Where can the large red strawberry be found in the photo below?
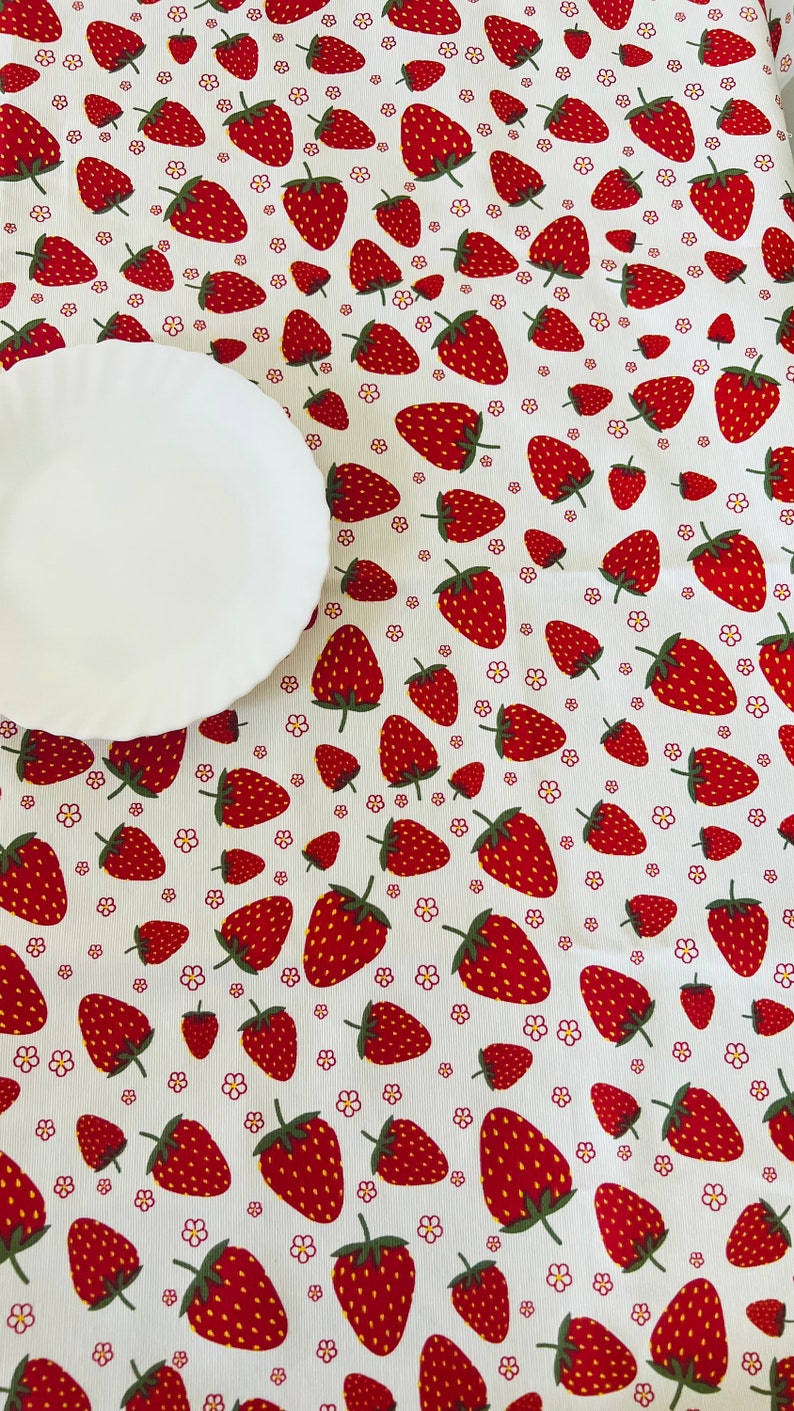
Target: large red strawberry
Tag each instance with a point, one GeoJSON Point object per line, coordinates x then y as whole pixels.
{"type": "Point", "coordinates": [171, 123]}
{"type": "Point", "coordinates": [513, 849]}
{"type": "Point", "coordinates": [101, 1141]}
{"type": "Point", "coordinates": [776, 660]}
{"type": "Point", "coordinates": [233, 1302]}
{"type": "Point", "coordinates": [22, 1214]}
{"type": "Point", "coordinates": [309, 278]}
{"type": "Point", "coordinates": [149, 269]}
{"type": "Point", "coordinates": [497, 959]}
{"type": "Point", "coordinates": [617, 1111]}
{"type": "Point", "coordinates": [102, 186]}
{"type": "Point", "coordinates": [448, 1380]}
{"type": "Point", "coordinates": [408, 849]}
{"type": "Point", "coordinates": [481, 1296]}
{"type": "Point", "coordinates": [647, 286]}
{"type": "Point", "coordinates": [28, 149]}
{"type": "Point", "coordinates": [38, 1384]}
{"type": "Point", "coordinates": [33, 340]}
{"type": "Point", "coordinates": [467, 780]}
{"type": "Point", "coordinates": [464, 515]}
{"type": "Point", "coordinates": [777, 251]}
{"type": "Point", "coordinates": [470, 346]}
{"type": "Point", "coordinates": [405, 1155]}
{"type": "Point", "coordinates": [717, 843]}
{"type": "Point", "coordinates": [130, 855]}
{"type": "Point", "coordinates": [204, 210]}
{"type": "Point", "coordinates": [589, 1360]}
{"type": "Point", "coordinates": [371, 270]}
{"type": "Point", "coordinates": [632, 565]}
{"type": "Point", "coordinates": [32, 885]}
{"type": "Point", "coordinates": [407, 756]}
{"type": "Point", "coordinates": [523, 733]}
{"type": "Point", "coordinates": [238, 54]}
{"type": "Point", "coordinates": [609, 829]}
{"type": "Point", "coordinates": [573, 120]}
{"type": "Point", "coordinates": [558, 469]}
{"type": "Point", "coordinates": [525, 1179]}
{"type": "Point", "coordinates": [502, 1065]}
{"type": "Point", "coordinates": [102, 1262]}
{"type": "Point", "coordinates": [123, 327]}
{"type": "Point", "coordinates": [432, 143]}
{"type": "Point", "coordinates": [301, 1162]}
{"type": "Point", "coordinates": [744, 399]}
{"type": "Point", "coordinates": [337, 767]}
{"type": "Point", "coordinates": [473, 602]}
{"type": "Point", "coordinates": [270, 1038]}
{"type": "Point", "coordinates": [480, 256]}
{"type": "Point", "coordinates": [388, 1034]}
{"type": "Point", "coordinates": [554, 331]}
{"type": "Point", "coordinates": [30, 19]}
{"type": "Point", "coordinates": [187, 1160]}
{"type": "Point", "coordinates": [619, 1006]}
{"type": "Point", "coordinates": [688, 1343]}
{"type": "Point", "coordinates": [340, 128]}
{"type": "Point", "coordinates": [245, 798]}
{"type": "Point", "coordinates": [56, 261]}
{"type": "Point", "coordinates": [347, 676]}
{"type": "Point", "coordinates": [740, 928]}
{"type": "Point", "coordinates": [157, 941]}
{"type": "Point", "coordinates": [623, 741]}
{"type": "Point", "coordinates": [361, 1393]}
{"type": "Point", "coordinates": [237, 866]}
{"type": "Point", "coordinates": [381, 348]}
{"type": "Point", "coordinates": [445, 433]}
{"type": "Point", "coordinates": [9, 1092]}
{"type": "Point", "coordinates": [685, 676]}
{"type": "Point", "coordinates": [304, 341]}
{"type": "Point", "coordinates": [317, 206]}
{"type": "Point", "coordinates": [731, 566]}
{"type": "Point", "coordinates": [716, 778]}
{"type": "Point", "coordinates": [23, 1008]}
{"type": "Point", "coordinates": [665, 126]}
{"type": "Point", "coordinates": [562, 248]}
{"type": "Point", "coordinates": [740, 118]}
{"type": "Point", "coordinates": [112, 46]}
{"type": "Point", "coordinates": [147, 765]}
{"type": "Point", "coordinates": [719, 48]}
{"type": "Point", "coordinates": [649, 915]}
{"type": "Point", "coordinates": [253, 935]}
{"type": "Point", "coordinates": [778, 473]}
{"type": "Point", "coordinates": [698, 1126]}
{"type": "Point", "coordinates": [758, 1237]}
{"type": "Point", "coordinates": [630, 1226]}
{"type": "Point", "coordinates": [373, 1280]}
{"type": "Point", "coordinates": [423, 16]}
{"type": "Point", "coordinates": [661, 402]}
{"type": "Point", "coordinates": [345, 932]}
{"type": "Point", "coordinates": [115, 1033]}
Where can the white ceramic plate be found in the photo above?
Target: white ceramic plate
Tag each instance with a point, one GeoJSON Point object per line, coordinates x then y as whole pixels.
{"type": "Point", "coordinates": [163, 539]}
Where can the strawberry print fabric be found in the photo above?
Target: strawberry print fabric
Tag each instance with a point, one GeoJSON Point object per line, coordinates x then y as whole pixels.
{"type": "Point", "coordinates": [418, 1031]}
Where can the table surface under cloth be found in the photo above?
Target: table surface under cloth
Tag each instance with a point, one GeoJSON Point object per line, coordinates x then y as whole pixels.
{"type": "Point", "coordinates": [574, 353]}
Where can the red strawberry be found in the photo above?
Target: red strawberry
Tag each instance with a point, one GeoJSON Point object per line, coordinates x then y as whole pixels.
{"type": "Point", "coordinates": [245, 798]}
{"type": "Point", "coordinates": [434, 691]}
{"type": "Point", "coordinates": [573, 120]}
{"type": "Point", "coordinates": [716, 778]}
{"type": "Point", "coordinates": [463, 515]}
{"type": "Point", "coordinates": [363, 1393]}
{"type": "Point", "coordinates": [102, 1263]}
{"type": "Point", "coordinates": [724, 267]}
{"type": "Point", "coordinates": [618, 1005]}
{"type": "Point", "coordinates": [574, 649]}
{"type": "Point", "coordinates": [717, 843]}
{"type": "Point", "coordinates": [38, 1383]}
{"type": "Point", "coordinates": [147, 765]}
{"type": "Point", "coordinates": [9, 1092]}
{"type": "Point", "coordinates": [467, 780]}
{"type": "Point", "coordinates": [622, 239]}
{"type": "Point", "coordinates": [497, 959]}
{"type": "Point", "coordinates": [633, 564]}
{"type": "Point", "coordinates": [508, 109]}
{"type": "Point", "coordinates": [253, 935]}
{"type": "Point", "coordinates": [130, 855]}
{"type": "Point", "coordinates": [479, 256]}
{"type": "Point", "coordinates": [7, 291]}
{"type": "Point", "coordinates": [161, 1388]}
{"type": "Point", "coordinates": [786, 830]}
{"type": "Point", "coordinates": [32, 886]}
{"type": "Point", "coordinates": [523, 733]}
{"type": "Point", "coordinates": [631, 1227]}
{"type": "Point", "coordinates": [374, 1284]}
{"type": "Point", "coordinates": [115, 1033]}
{"type": "Point", "coordinates": [405, 1155]}
{"type": "Point", "coordinates": [401, 218]}
{"type": "Point", "coordinates": [525, 1179]}
{"type": "Point", "coordinates": [663, 125]}
{"type": "Point", "coordinates": [372, 270]}
{"type": "Point", "coordinates": [588, 399]}
{"type": "Point", "coordinates": [381, 348]}
{"type": "Point", "coordinates": [432, 143]}
{"type": "Point", "coordinates": [623, 741]}
{"type": "Point", "coordinates": [480, 1295]}
{"type": "Point", "coordinates": [633, 56]}
{"type": "Point", "coordinates": [345, 933]}
{"type": "Point", "coordinates": [354, 493]}
{"type": "Point", "coordinates": [407, 757]}
{"type": "Point", "coordinates": [685, 676]}
{"type": "Point", "coordinates": [22, 1214]}
{"type": "Point", "coordinates": [205, 211]}
{"type": "Point", "coordinates": [100, 1141]}
{"type": "Point", "coordinates": [786, 737]}
{"type": "Point", "coordinates": [697, 1002]}
{"type": "Point", "coordinates": [322, 851]}
{"type": "Point", "coordinates": [114, 47]}
{"type": "Point", "coordinates": [617, 1111]}
{"type": "Point", "coordinates": [514, 850]}
{"type": "Point", "coordinates": [616, 191]}
{"type": "Point", "coordinates": [408, 849]}
{"type": "Point", "coordinates": [341, 129]}
{"type": "Point", "coordinates": [558, 469]}
{"type": "Point", "coordinates": [694, 486]}
{"type": "Point", "coordinates": [626, 483]}
{"type": "Point", "coordinates": [646, 286]}
{"type": "Point", "coordinates": [304, 341]}
{"type": "Point", "coordinates": [784, 329]}
{"type": "Point", "coordinates": [182, 47]}
{"type": "Point", "coordinates": [502, 1065]}
{"type": "Point", "coordinates": [389, 1034]}
{"type": "Point", "coordinates": [420, 74]}
{"type": "Point", "coordinates": [102, 187]}
{"type": "Point", "coordinates": [328, 408]}
{"type": "Point", "coordinates": [29, 149]}
{"type": "Point", "coordinates": [326, 54]}
{"type": "Point", "coordinates": [562, 248]}
{"type": "Point", "coordinates": [698, 1126]}
{"type": "Point", "coordinates": [472, 601]}
{"type": "Point", "coordinates": [447, 1378]}
{"type": "Point", "coordinates": [301, 1162]}
{"type": "Point", "coordinates": [652, 345]}
{"type": "Point", "coordinates": [187, 1160]}
{"type": "Point", "coordinates": [270, 1038]}
{"type": "Point", "coordinates": [157, 941]}
{"type": "Point", "coordinates": [317, 206]}
{"type": "Point", "coordinates": [423, 16]}
{"type": "Point", "coordinates": [31, 19]}
{"type": "Point", "coordinates": [744, 400]}
{"type": "Point", "coordinates": [661, 402]}
{"type": "Point", "coordinates": [553, 330]}
{"type": "Point", "coordinates": [688, 1342]}
{"type": "Point", "coordinates": [149, 269]}
{"type": "Point", "coordinates": [238, 866]}
{"type": "Point", "coordinates": [739, 118]}
{"type": "Point", "coordinates": [124, 327]}
{"type": "Point", "coordinates": [649, 915]}
{"type": "Point", "coordinates": [775, 33]}
{"type": "Point", "coordinates": [740, 928]}
{"type": "Point", "coordinates": [172, 123]}
{"type": "Point", "coordinates": [337, 768]}
{"type": "Point", "coordinates": [724, 199]}
{"type": "Point", "coordinates": [780, 1116]}
{"type": "Point", "coordinates": [516, 182]}
{"type": "Point", "coordinates": [544, 549]}
{"type": "Point", "coordinates": [57, 261]}
{"type": "Point", "coordinates": [770, 1017]}
{"type": "Point", "coordinates": [309, 278]}
{"type": "Point", "coordinates": [239, 55]}
{"type": "Point", "coordinates": [199, 1030]}
{"type": "Point", "coordinates": [577, 41]}
{"type": "Point", "coordinates": [263, 131]}
{"type": "Point", "coordinates": [49, 759]}
{"type": "Point", "coordinates": [769, 1316]}
{"type": "Point", "coordinates": [224, 727]}
{"type": "Point", "coordinates": [232, 1302]}
{"type": "Point", "coordinates": [719, 48]}
{"type": "Point", "coordinates": [609, 829]}
{"type": "Point", "coordinates": [513, 43]}
{"type": "Point", "coordinates": [615, 14]}
{"type": "Point", "coordinates": [470, 346]}
{"type": "Point", "coordinates": [347, 676]}
{"type": "Point", "coordinates": [776, 660]}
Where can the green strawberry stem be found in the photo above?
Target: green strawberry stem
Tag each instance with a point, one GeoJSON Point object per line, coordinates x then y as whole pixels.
{"type": "Point", "coordinates": [676, 1111]}
{"type": "Point", "coordinates": [694, 776]}
{"type": "Point", "coordinates": [445, 168]}
{"type": "Point", "coordinates": [735, 906]}
{"type": "Point", "coordinates": [472, 1273]}
{"type": "Point", "coordinates": [388, 844]}
{"type": "Point", "coordinates": [286, 1133]}
{"type": "Point", "coordinates": [645, 1252]}
{"type": "Point", "coordinates": [496, 830]}
{"type": "Point", "coordinates": [125, 773]}
{"type": "Point", "coordinates": [223, 795]}
{"type": "Point", "coordinates": [564, 1351]}
{"type": "Point", "coordinates": [624, 583]}
{"type": "Point", "coordinates": [165, 1144]}
{"type": "Point", "coordinates": [205, 1277]}
{"type": "Point", "coordinates": [779, 1386]}
{"type": "Point", "coordinates": [684, 1376]}
{"type": "Point", "coordinates": [783, 547]}
{"type": "Point", "coordinates": [663, 660]}
{"type": "Point", "coordinates": [782, 1103]}
{"type": "Point", "coordinates": [11, 854]}
{"type": "Point", "coordinates": [782, 643]}
{"type": "Point", "coordinates": [144, 1383]}
{"type": "Point", "coordinates": [18, 1243]}
{"type": "Point", "coordinates": [749, 375]}
{"type": "Point", "coordinates": [473, 940]}
{"type": "Point", "coordinates": [237, 951]}
{"type": "Point", "coordinates": [369, 1248]}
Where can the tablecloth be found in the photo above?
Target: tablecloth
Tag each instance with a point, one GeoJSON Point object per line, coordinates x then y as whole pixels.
{"type": "Point", "coordinates": [418, 1031]}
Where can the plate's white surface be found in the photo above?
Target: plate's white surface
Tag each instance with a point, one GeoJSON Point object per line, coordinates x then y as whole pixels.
{"type": "Point", "coordinates": [163, 539]}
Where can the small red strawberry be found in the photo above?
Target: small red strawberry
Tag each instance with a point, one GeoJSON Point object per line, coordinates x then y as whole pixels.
{"type": "Point", "coordinates": [101, 1142]}
{"type": "Point", "coordinates": [447, 1377]}
{"type": "Point", "coordinates": [16, 77]}
{"type": "Point", "coordinates": [573, 649]}
{"type": "Point", "coordinates": [480, 256]}
{"type": "Point", "coordinates": [523, 733]}
{"type": "Point", "coordinates": [347, 676]}
{"type": "Point", "coordinates": [649, 915]}
{"type": "Point", "coordinates": [238, 866]}
{"type": "Point", "coordinates": [513, 42]}
{"type": "Point", "coordinates": [770, 1017]}
{"type": "Point", "coordinates": [381, 348]}
{"type": "Point", "coordinates": [558, 469]}
{"type": "Point", "coordinates": [9, 1092]}
{"type": "Point", "coordinates": [621, 239]}
{"type": "Point", "coordinates": [516, 182]}
{"type": "Point", "coordinates": [588, 398]}
{"type": "Point", "coordinates": [647, 286]}
{"type": "Point", "coordinates": [43, 758]}
{"type": "Point", "coordinates": [401, 218]}
{"type": "Point", "coordinates": [102, 187]}
{"type": "Point", "coordinates": [38, 1383]}
{"type": "Point", "coordinates": [632, 565]}
{"type": "Point", "coordinates": [544, 549]}
{"type": "Point", "coordinates": [740, 118]}
{"type": "Point", "coordinates": [717, 843]}
{"type": "Point", "coordinates": [160, 1388]}
{"type": "Point", "coordinates": [697, 1002]}
{"type": "Point", "coordinates": [228, 292]}
{"type": "Point", "coordinates": [130, 855]}
{"type": "Point", "coordinates": [322, 851]}
{"type": "Point", "coordinates": [688, 1343]}
{"type": "Point", "coordinates": [328, 408]}
{"type": "Point", "coordinates": [633, 56]}
{"type": "Point", "coordinates": [553, 330]}
{"type": "Point", "coordinates": [616, 191]}
{"type": "Point", "coordinates": [631, 1227]}
{"type": "Point", "coordinates": [405, 1155]}
{"type": "Point", "coordinates": [309, 278]}
{"type": "Point", "coordinates": [508, 109]}
{"type": "Point", "coordinates": [337, 767]}
{"type": "Point", "coordinates": [467, 780]}
{"type": "Point", "coordinates": [623, 741]}
{"type": "Point", "coordinates": [626, 483]}
{"type": "Point", "coordinates": [172, 123]}
{"type": "Point", "coordinates": [362, 1393]}
{"type": "Point", "coordinates": [32, 885]}
{"type": "Point", "coordinates": [434, 691]}
{"type": "Point", "coordinates": [740, 928]}
{"type": "Point", "coordinates": [725, 267]}
{"type": "Point", "coordinates": [343, 130]}
{"type": "Point", "coordinates": [617, 1111]}
{"type": "Point", "coordinates": [114, 47]}
{"type": "Point", "coordinates": [573, 120]}
{"type": "Point", "coordinates": [301, 1162]}
{"type": "Point", "coordinates": [328, 55]}
{"type": "Point", "coordinates": [304, 341]}
{"type": "Point", "coordinates": [354, 492]}
{"type": "Point", "coordinates": [473, 602]}
{"type": "Point", "coordinates": [407, 757]}
{"type": "Point", "coordinates": [662, 402]}
{"type": "Point", "coordinates": [245, 798]}
{"type": "Point", "coordinates": [157, 941]}
{"type": "Point", "coordinates": [719, 48]}
{"type": "Point", "coordinates": [652, 345]}
{"type": "Point", "coordinates": [239, 55]}
{"type": "Point", "coordinates": [685, 676]}
{"type": "Point", "coordinates": [22, 1214]}
{"type": "Point", "coordinates": [776, 660]}
{"type": "Point", "coordinates": [609, 829]}
{"type": "Point", "coordinates": [7, 292]}
{"type": "Point", "coordinates": [124, 327]}
{"type": "Point", "coordinates": [317, 206]}
{"type": "Point", "coordinates": [618, 1005]}
{"type": "Point", "coordinates": [694, 486]}
{"type": "Point", "coordinates": [204, 210]}
{"type": "Point", "coordinates": [345, 932]}
{"type": "Point", "coordinates": [481, 1296]}
{"type": "Point", "coordinates": [464, 515]}
{"type": "Point", "coordinates": [769, 1316]}
{"type": "Point", "coordinates": [224, 727]}
{"type": "Point", "coordinates": [577, 41]}
{"type": "Point", "coordinates": [716, 778]}
{"type": "Point", "coordinates": [182, 47]}
{"type": "Point", "coordinates": [253, 935]}
{"type": "Point", "coordinates": [199, 1030]}
{"type": "Point", "coordinates": [372, 270]}
{"type": "Point", "coordinates": [502, 1065]}
{"type": "Point", "coordinates": [470, 346]}
{"type": "Point", "coordinates": [270, 1038]}
{"type": "Point", "coordinates": [780, 1116]}
{"type": "Point", "coordinates": [149, 269]}
{"type": "Point", "coordinates": [420, 74]}
{"type": "Point", "coordinates": [102, 1263]}
{"type": "Point", "coordinates": [100, 111]}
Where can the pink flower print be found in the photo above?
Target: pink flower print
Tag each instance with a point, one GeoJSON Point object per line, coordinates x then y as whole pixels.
{"type": "Point", "coordinates": [26, 1058]}
{"type": "Point", "coordinates": [169, 1297]}
{"type": "Point", "coordinates": [144, 1200]}
{"type": "Point", "coordinates": [45, 1129]}
{"type": "Point", "coordinates": [751, 1363]}
{"type": "Point", "coordinates": [326, 1059]}
{"type": "Point", "coordinates": [460, 1014]}
{"type": "Point", "coordinates": [462, 1117]}
{"type": "Point", "coordinates": [392, 1093]}
{"type": "Point", "coordinates": [366, 1191]}
{"type": "Point", "coordinates": [103, 1351]}
{"type": "Point", "coordinates": [177, 1082]}
{"type": "Point", "coordinates": [508, 1368]}
{"type": "Point", "coordinates": [214, 898]}
{"type": "Point", "coordinates": [326, 1350]}
{"type": "Point", "coordinates": [681, 1050]}
{"type": "Point", "coordinates": [61, 1062]}
{"type": "Point", "coordinates": [186, 839]}
{"type": "Point", "coordinates": [64, 1187]}
{"type": "Point", "coordinates": [194, 1232]}
{"type": "Point", "coordinates": [192, 977]}
{"type": "Point", "coordinates": [254, 1122]}
{"type": "Point", "coordinates": [348, 1103]}
{"type": "Point", "coordinates": [535, 1027]}
{"type": "Point", "coordinates": [234, 1086]}
{"type": "Point", "coordinates": [20, 1317]}
{"type": "Point", "coordinates": [302, 1248]}
{"type": "Point", "coordinates": [602, 1284]}
{"type": "Point", "coordinates": [560, 1096]}
{"type": "Point", "coordinates": [427, 977]}
{"type": "Point", "coordinates": [568, 1032]}
{"type": "Point", "coordinates": [640, 1314]}
{"type": "Point", "coordinates": [559, 1277]}
{"type": "Point", "coordinates": [662, 1165]}
{"type": "Point", "coordinates": [426, 909]}
{"type": "Point", "coordinates": [430, 1229]}
{"type": "Point", "coordinates": [585, 1151]}
{"type": "Point", "coordinates": [736, 1055]}
{"type": "Point", "coordinates": [643, 1393]}
{"type": "Point", "coordinates": [713, 1197]}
